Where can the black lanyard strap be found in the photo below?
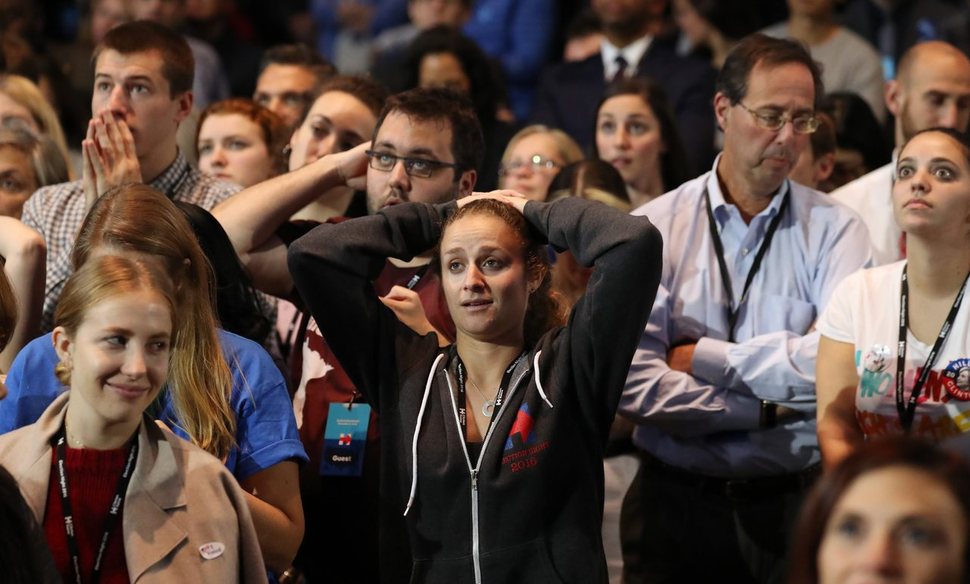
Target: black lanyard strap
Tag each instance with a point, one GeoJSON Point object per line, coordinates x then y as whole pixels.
{"type": "Point", "coordinates": [734, 310]}
{"type": "Point", "coordinates": [907, 411]}
{"type": "Point", "coordinates": [416, 277]}
{"type": "Point", "coordinates": [499, 396]}
{"type": "Point", "coordinates": [110, 522]}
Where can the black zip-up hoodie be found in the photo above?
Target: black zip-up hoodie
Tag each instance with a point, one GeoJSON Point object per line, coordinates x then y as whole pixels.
{"type": "Point", "coordinates": [529, 509]}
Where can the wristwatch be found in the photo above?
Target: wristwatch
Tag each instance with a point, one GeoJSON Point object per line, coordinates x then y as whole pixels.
{"type": "Point", "coordinates": [769, 415]}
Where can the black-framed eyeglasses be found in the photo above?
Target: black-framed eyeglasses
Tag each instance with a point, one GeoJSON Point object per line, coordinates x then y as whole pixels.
{"type": "Point", "coordinates": [775, 121]}
{"type": "Point", "coordinates": [535, 162]}
{"type": "Point", "coordinates": [416, 167]}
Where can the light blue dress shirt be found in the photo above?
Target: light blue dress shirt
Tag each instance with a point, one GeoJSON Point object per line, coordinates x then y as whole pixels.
{"type": "Point", "coordinates": [708, 422]}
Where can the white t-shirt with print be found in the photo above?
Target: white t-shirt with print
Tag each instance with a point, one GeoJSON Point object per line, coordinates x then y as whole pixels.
{"type": "Point", "coordinates": [864, 311]}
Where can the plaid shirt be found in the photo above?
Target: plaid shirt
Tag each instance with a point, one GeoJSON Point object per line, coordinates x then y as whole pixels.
{"type": "Point", "coordinates": [57, 212]}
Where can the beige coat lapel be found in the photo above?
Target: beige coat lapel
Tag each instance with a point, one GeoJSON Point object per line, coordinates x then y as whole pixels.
{"type": "Point", "coordinates": [152, 531]}
{"type": "Point", "coordinates": [28, 456]}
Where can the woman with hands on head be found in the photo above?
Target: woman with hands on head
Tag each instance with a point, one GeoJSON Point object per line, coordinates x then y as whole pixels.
{"type": "Point", "coordinates": [182, 516]}
{"type": "Point", "coordinates": [492, 447]}
{"type": "Point", "coordinates": [896, 338]}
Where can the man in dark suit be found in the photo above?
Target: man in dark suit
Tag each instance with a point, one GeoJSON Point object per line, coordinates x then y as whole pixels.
{"type": "Point", "coordinates": [570, 92]}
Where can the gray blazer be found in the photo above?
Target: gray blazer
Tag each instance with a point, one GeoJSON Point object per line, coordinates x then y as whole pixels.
{"type": "Point", "coordinates": [179, 499]}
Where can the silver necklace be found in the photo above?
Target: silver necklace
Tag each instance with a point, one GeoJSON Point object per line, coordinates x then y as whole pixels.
{"type": "Point", "coordinates": [489, 404]}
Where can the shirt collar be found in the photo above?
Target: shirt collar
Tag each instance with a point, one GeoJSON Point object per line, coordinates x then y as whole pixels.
{"type": "Point", "coordinates": [718, 202]}
{"type": "Point", "coordinates": [632, 53]}
{"type": "Point", "coordinates": [172, 176]}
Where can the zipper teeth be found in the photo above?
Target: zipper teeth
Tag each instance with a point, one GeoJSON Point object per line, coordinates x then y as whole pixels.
{"type": "Point", "coordinates": [473, 470]}
{"type": "Point", "coordinates": [476, 560]}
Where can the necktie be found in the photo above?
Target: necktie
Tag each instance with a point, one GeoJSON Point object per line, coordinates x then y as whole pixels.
{"type": "Point", "coordinates": [621, 65]}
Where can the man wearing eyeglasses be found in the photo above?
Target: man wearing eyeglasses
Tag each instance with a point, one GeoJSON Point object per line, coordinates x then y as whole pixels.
{"type": "Point", "coordinates": [437, 145]}
{"type": "Point", "coordinates": [722, 383]}
{"type": "Point", "coordinates": [426, 146]}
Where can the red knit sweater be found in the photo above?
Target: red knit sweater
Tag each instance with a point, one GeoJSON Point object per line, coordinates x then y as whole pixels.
{"type": "Point", "coordinates": [92, 477]}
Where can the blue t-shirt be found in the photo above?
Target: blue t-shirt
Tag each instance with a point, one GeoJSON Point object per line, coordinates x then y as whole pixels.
{"type": "Point", "coordinates": [265, 427]}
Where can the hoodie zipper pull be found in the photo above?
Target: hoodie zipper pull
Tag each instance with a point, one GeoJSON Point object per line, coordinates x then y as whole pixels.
{"type": "Point", "coordinates": [475, 479]}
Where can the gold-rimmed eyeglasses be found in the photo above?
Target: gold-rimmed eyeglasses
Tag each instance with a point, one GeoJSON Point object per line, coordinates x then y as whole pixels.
{"type": "Point", "coordinates": [774, 121]}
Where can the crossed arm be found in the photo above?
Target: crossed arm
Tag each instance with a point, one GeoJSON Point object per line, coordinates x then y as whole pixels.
{"type": "Point", "coordinates": [678, 382]}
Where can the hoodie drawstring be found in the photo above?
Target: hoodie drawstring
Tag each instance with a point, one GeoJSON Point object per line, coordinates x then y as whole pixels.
{"type": "Point", "coordinates": [417, 431]}
{"type": "Point", "coordinates": [535, 372]}
{"type": "Point", "coordinates": [424, 404]}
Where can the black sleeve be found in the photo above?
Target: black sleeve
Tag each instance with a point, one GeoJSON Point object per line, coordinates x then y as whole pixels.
{"type": "Point", "coordinates": [607, 322]}
{"type": "Point", "coordinates": [333, 267]}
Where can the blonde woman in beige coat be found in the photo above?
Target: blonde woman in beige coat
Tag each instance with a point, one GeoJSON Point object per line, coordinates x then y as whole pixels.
{"type": "Point", "coordinates": [119, 498]}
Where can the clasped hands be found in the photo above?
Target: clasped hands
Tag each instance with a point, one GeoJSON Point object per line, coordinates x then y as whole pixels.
{"type": "Point", "coordinates": [109, 156]}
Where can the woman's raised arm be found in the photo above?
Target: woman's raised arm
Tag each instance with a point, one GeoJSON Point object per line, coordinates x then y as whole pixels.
{"type": "Point", "coordinates": [252, 216]}
{"type": "Point", "coordinates": [24, 256]}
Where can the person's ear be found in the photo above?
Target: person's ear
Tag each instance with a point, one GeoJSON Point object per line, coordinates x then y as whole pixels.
{"type": "Point", "coordinates": [824, 167]}
{"type": "Point", "coordinates": [466, 183]}
{"type": "Point", "coordinates": [185, 101]}
{"type": "Point", "coordinates": [721, 106]}
{"type": "Point", "coordinates": [535, 278]}
{"type": "Point", "coordinates": [894, 96]}
{"type": "Point", "coordinates": [63, 346]}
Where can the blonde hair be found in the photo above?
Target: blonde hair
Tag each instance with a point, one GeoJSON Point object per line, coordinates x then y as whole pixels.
{"type": "Point", "coordinates": [46, 159]}
{"type": "Point", "coordinates": [138, 218]}
{"type": "Point", "coordinates": [102, 278]}
{"type": "Point", "coordinates": [24, 92]}
{"type": "Point", "coordinates": [567, 147]}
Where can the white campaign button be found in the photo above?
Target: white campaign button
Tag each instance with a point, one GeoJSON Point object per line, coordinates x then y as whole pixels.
{"type": "Point", "coordinates": [212, 550]}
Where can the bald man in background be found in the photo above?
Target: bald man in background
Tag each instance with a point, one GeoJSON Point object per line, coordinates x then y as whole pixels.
{"type": "Point", "coordinates": [931, 90]}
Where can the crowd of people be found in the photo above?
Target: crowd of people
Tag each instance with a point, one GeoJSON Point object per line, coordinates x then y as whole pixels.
{"type": "Point", "coordinates": [635, 291]}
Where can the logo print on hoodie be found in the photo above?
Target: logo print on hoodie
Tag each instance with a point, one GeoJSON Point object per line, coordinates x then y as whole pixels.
{"type": "Point", "coordinates": [522, 427]}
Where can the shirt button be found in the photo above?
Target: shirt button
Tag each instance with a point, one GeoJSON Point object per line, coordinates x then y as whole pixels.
{"type": "Point", "coordinates": [744, 251]}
